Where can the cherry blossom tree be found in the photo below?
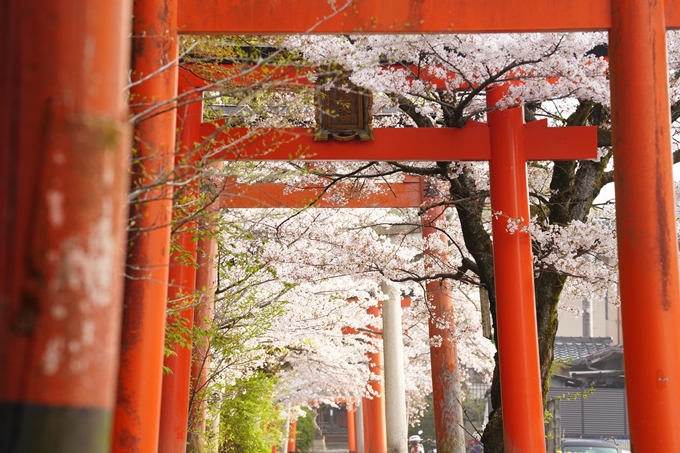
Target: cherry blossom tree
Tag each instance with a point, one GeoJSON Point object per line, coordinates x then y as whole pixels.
{"type": "Point", "coordinates": [293, 293]}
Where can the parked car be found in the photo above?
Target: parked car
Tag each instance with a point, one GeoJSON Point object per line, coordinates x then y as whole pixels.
{"type": "Point", "coordinates": [589, 446]}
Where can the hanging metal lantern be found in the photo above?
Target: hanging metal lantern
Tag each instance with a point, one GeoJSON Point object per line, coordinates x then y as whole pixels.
{"type": "Point", "coordinates": [343, 112]}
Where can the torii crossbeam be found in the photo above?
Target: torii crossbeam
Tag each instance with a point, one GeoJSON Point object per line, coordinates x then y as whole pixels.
{"type": "Point", "coordinates": [385, 16]}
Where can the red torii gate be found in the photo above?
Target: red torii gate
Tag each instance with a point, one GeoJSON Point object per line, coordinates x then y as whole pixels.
{"type": "Point", "coordinates": [470, 143]}
{"type": "Point", "coordinates": [81, 108]}
{"type": "Point", "coordinates": [502, 142]}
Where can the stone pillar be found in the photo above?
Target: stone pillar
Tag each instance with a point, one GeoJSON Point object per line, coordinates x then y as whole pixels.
{"type": "Point", "coordinates": [393, 351]}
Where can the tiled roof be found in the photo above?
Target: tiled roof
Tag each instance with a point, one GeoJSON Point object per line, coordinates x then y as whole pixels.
{"type": "Point", "coordinates": [577, 348]}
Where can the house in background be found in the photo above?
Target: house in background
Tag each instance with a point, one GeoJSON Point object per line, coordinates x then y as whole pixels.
{"type": "Point", "coordinates": [588, 390]}
{"type": "Point", "coordinates": [585, 362]}
{"type": "Point", "coordinates": [588, 387]}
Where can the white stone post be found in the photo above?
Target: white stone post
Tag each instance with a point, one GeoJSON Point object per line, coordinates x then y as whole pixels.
{"type": "Point", "coordinates": [359, 419]}
{"type": "Point", "coordinates": [393, 352]}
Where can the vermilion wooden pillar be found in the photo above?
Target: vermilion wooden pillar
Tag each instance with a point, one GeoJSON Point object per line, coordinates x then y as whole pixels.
{"type": "Point", "coordinates": [154, 39]}
{"type": "Point", "coordinates": [200, 365]}
{"type": "Point", "coordinates": [514, 279]}
{"type": "Point", "coordinates": [646, 232]}
{"type": "Point", "coordinates": [64, 142]}
{"type": "Point", "coordinates": [291, 436]}
{"type": "Point", "coordinates": [351, 428]}
{"type": "Point", "coordinates": [175, 390]}
{"type": "Point", "coordinates": [182, 285]}
{"type": "Point", "coordinates": [448, 417]}
{"type": "Point", "coordinates": [374, 415]}
{"type": "Point", "coordinates": [366, 424]}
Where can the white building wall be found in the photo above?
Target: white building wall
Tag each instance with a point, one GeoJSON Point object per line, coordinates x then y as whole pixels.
{"type": "Point", "coordinates": [605, 318]}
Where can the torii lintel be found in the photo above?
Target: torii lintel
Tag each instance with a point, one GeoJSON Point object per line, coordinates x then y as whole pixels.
{"type": "Point", "coordinates": [470, 143]}
{"type": "Point", "coordinates": [406, 194]}
{"type": "Point", "coordinates": [389, 16]}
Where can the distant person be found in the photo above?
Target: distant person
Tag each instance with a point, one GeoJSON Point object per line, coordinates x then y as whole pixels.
{"type": "Point", "coordinates": [415, 445]}
{"type": "Point", "coordinates": [475, 447]}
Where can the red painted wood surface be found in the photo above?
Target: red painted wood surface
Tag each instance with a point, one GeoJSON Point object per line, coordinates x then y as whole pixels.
{"type": "Point", "coordinates": [646, 223]}
{"type": "Point", "coordinates": [470, 143]}
{"type": "Point", "coordinates": [443, 349]}
{"type": "Point", "coordinates": [374, 408]}
{"type": "Point", "coordinates": [139, 385]}
{"type": "Point", "coordinates": [389, 16]}
{"type": "Point", "coordinates": [386, 16]}
{"type": "Point", "coordinates": [292, 433]}
{"type": "Point", "coordinates": [517, 331]}
{"type": "Point", "coordinates": [64, 142]}
{"type": "Point", "coordinates": [176, 384]}
{"type": "Point", "coordinates": [351, 428]}
{"type": "Point", "coordinates": [182, 282]}
{"type": "Point", "coordinates": [365, 423]}
{"type": "Point", "coordinates": [279, 195]}
{"type": "Point", "coordinates": [206, 256]}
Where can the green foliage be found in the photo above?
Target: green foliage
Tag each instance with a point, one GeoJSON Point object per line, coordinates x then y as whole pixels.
{"type": "Point", "coordinates": [244, 310]}
{"type": "Point", "coordinates": [547, 417]}
{"type": "Point", "coordinates": [572, 396]}
{"type": "Point", "coordinates": [304, 432]}
{"type": "Point", "coordinates": [177, 335]}
{"type": "Point", "coordinates": [249, 421]}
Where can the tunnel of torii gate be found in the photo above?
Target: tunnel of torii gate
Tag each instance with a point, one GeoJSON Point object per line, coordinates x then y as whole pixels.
{"type": "Point", "coordinates": [64, 144]}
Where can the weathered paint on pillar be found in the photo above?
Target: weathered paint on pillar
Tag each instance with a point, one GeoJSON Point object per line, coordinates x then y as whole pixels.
{"type": "Point", "coordinates": [200, 366]}
{"type": "Point", "coordinates": [64, 142]}
{"type": "Point", "coordinates": [396, 426]}
{"type": "Point", "coordinates": [646, 231]}
{"type": "Point", "coordinates": [351, 428]}
{"type": "Point", "coordinates": [154, 45]}
{"type": "Point", "coordinates": [292, 432]}
{"type": "Point", "coordinates": [513, 272]}
{"type": "Point", "coordinates": [448, 413]}
{"type": "Point", "coordinates": [374, 416]}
